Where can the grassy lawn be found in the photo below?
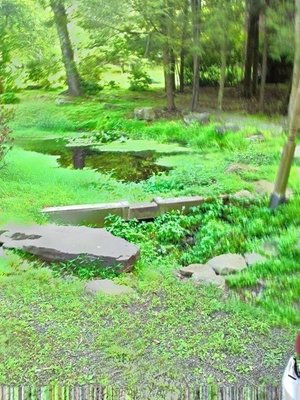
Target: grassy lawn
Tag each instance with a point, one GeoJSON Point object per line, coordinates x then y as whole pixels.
{"type": "Point", "coordinates": [168, 332]}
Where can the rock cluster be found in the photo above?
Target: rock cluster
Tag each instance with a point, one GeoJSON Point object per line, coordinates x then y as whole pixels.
{"type": "Point", "coordinates": [216, 268]}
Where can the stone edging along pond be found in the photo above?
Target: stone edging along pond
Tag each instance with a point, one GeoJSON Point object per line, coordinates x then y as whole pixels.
{"type": "Point", "coordinates": [95, 214]}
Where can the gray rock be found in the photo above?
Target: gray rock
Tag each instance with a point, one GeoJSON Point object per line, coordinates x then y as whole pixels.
{"type": "Point", "coordinates": [2, 252]}
{"type": "Point", "coordinates": [244, 194]}
{"type": "Point", "coordinates": [228, 263]}
{"type": "Point", "coordinates": [221, 130]}
{"type": "Point", "coordinates": [254, 258]}
{"type": "Point", "coordinates": [238, 168]}
{"type": "Point", "coordinates": [145, 114]}
{"type": "Point", "coordinates": [60, 101]}
{"type": "Point", "coordinates": [199, 118]}
{"type": "Point", "coordinates": [110, 106]}
{"type": "Point", "coordinates": [191, 269]}
{"type": "Point", "coordinates": [106, 286]}
{"type": "Point", "coordinates": [257, 137]}
{"type": "Point", "coordinates": [62, 243]}
{"type": "Point", "coordinates": [205, 275]}
{"type": "Point", "coordinates": [201, 274]}
{"type": "Point", "coordinates": [270, 248]}
{"type": "Point", "coordinates": [297, 152]}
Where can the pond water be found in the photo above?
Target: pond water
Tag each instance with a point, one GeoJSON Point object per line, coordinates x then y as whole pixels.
{"type": "Point", "coordinates": [126, 166]}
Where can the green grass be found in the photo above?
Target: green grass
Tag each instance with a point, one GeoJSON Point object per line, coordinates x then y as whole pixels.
{"type": "Point", "coordinates": [169, 331]}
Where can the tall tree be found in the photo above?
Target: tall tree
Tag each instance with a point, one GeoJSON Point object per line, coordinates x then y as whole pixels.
{"type": "Point", "coordinates": [61, 23]}
{"type": "Point", "coordinates": [183, 44]}
{"type": "Point", "coordinates": [196, 7]}
{"type": "Point", "coordinates": [167, 28]}
{"type": "Point", "coordinates": [279, 194]}
{"type": "Point", "coordinates": [264, 67]}
{"type": "Point", "coordinates": [252, 48]}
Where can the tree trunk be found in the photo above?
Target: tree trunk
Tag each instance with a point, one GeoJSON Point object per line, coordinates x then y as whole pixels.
{"type": "Point", "coordinates": [264, 68]}
{"type": "Point", "coordinates": [196, 6]}
{"type": "Point", "coordinates": [255, 55]}
{"type": "Point", "coordinates": [222, 76]}
{"type": "Point", "coordinates": [279, 194]}
{"type": "Point", "coordinates": [61, 22]}
{"type": "Point", "coordinates": [296, 70]}
{"type": "Point", "coordinates": [181, 71]}
{"type": "Point", "coordinates": [183, 47]}
{"type": "Point", "coordinates": [168, 55]}
{"type": "Point", "coordinates": [169, 79]}
{"type": "Point", "coordinates": [173, 68]}
{"type": "Point", "coordinates": [251, 59]}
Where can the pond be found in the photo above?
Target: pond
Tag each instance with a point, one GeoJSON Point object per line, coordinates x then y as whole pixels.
{"type": "Point", "coordinates": [131, 166]}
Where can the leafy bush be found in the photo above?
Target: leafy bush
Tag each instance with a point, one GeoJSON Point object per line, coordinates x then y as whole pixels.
{"type": "Point", "coordinates": [9, 98]}
{"type": "Point", "coordinates": [5, 142]}
{"type": "Point", "coordinates": [91, 88]}
{"type": "Point", "coordinates": [112, 85]}
{"type": "Point", "coordinates": [38, 72]}
{"type": "Point", "coordinates": [139, 79]}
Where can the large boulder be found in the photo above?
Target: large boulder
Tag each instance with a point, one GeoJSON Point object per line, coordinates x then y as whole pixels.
{"type": "Point", "coordinates": [145, 114]}
{"type": "Point", "coordinates": [226, 264]}
{"type": "Point", "coordinates": [106, 286]}
{"type": "Point", "coordinates": [199, 118]}
{"type": "Point", "coordinates": [54, 243]}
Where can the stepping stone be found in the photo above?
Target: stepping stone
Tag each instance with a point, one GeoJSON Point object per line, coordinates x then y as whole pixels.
{"type": "Point", "coordinates": [226, 264]}
{"type": "Point", "coordinates": [188, 271]}
{"type": "Point", "coordinates": [202, 274]}
{"type": "Point", "coordinates": [254, 258]}
{"type": "Point", "coordinates": [257, 137]}
{"type": "Point", "coordinates": [270, 248]}
{"type": "Point", "coordinates": [106, 286]}
{"type": "Point", "coordinates": [205, 275]}
{"type": "Point", "coordinates": [244, 194]}
{"type": "Point", "coordinates": [238, 168]}
{"type": "Point", "coordinates": [63, 243]}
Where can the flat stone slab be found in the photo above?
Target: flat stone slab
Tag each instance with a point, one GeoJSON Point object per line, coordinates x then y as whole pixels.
{"type": "Point", "coordinates": [254, 258]}
{"type": "Point", "coordinates": [106, 286]}
{"type": "Point", "coordinates": [226, 264]}
{"type": "Point", "coordinates": [62, 243]}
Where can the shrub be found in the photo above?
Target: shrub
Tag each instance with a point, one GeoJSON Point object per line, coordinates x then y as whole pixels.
{"type": "Point", "coordinates": [91, 88]}
{"type": "Point", "coordinates": [5, 142]}
{"type": "Point", "coordinates": [9, 98]}
{"type": "Point", "coordinates": [112, 85]}
{"type": "Point", "coordinates": [139, 79]}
